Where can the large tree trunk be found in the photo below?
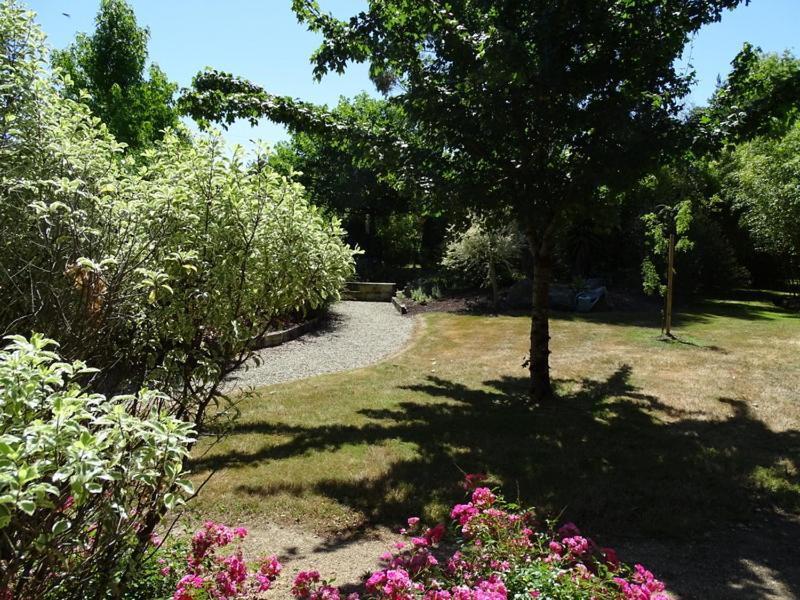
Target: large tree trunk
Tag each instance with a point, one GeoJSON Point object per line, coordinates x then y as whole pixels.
{"type": "Point", "coordinates": [541, 388]}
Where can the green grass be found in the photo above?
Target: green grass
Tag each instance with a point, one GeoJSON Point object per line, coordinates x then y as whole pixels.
{"type": "Point", "coordinates": [653, 438]}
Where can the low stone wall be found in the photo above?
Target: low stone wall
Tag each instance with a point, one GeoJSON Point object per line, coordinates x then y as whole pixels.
{"type": "Point", "coordinates": [276, 338]}
{"type": "Point", "coordinates": [399, 306]}
{"type": "Point", "coordinates": [369, 291]}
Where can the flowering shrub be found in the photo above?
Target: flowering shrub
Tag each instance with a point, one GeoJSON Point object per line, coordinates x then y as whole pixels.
{"type": "Point", "coordinates": [210, 576]}
{"type": "Point", "coordinates": [506, 552]}
{"type": "Point", "coordinates": [502, 552]}
{"type": "Point", "coordinates": [309, 586]}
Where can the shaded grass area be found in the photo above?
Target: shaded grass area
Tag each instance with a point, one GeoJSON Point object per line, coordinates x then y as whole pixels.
{"type": "Point", "coordinates": [693, 445]}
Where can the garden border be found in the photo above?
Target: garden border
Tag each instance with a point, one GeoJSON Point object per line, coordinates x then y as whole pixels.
{"type": "Point", "coordinates": [276, 338]}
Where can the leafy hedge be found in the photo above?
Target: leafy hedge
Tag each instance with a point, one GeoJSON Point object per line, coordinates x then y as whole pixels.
{"type": "Point", "coordinates": [158, 268]}
{"type": "Point", "coordinates": [83, 482]}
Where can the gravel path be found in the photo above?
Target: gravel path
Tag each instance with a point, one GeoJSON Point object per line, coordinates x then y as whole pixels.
{"type": "Point", "coordinates": [355, 334]}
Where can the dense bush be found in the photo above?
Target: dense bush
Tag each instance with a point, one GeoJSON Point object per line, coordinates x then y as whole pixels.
{"type": "Point", "coordinates": [83, 482]}
{"type": "Point", "coordinates": [504, 551]}
{"type": "Point", "coordinates": [762, 181]}
{"type": "Point", "coordinates": [158, 271]}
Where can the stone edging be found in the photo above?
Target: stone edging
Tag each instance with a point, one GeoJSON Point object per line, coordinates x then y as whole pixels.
{"type": "Point", "coordinates": [369, 291]}
{"type": "Point", "coordinates": [276, 338]}
{"type": "Point", "coordinates": [400, 306]}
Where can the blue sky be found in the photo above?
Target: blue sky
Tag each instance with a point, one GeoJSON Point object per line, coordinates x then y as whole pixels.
{"type": "Point", "coordinates": [262, 41]}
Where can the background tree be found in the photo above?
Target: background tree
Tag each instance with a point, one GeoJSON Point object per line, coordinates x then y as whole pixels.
{"type": "Point", "coordinates": [760, 96]}
{"type": "Point", "coordinates": [110, 65]}
{"type": "Point", "coordinates": [486, 252]}
{"type": "Point", "coordinates": [391, 219]}
{"type": "Point", "coordinates": [529, 106]}
{"type": "Point", "coordinates": [763, 182]}
{"type": "Point", "coordinates": [749, 123]}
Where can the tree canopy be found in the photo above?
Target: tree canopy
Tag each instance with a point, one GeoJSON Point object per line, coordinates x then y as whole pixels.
{"type": "Point", "coordinates": [529, 105]}
{"type": "Point", "coordinates": [760, 96]}
{"type": "Point", "coordinates": [110, 66]}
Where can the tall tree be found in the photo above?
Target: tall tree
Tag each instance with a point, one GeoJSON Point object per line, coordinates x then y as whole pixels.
{"type": "Point", "coordinates": [763, 182]}
{"type": "Point", "coordinates": [530, 106]}
{"type": "Point", "coordinates": [760, 96]}
{"type": "Point", "coordinates": [110, 65]}
{"type": "Point", "coordinates": [344, 175]}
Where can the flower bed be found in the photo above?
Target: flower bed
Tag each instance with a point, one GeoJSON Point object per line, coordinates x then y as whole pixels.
{"type": "Point", "coordinates": [502, 551]}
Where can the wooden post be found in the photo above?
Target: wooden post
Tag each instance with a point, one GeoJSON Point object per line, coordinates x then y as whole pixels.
{"type": "Point", "coordinates": [670, 278]}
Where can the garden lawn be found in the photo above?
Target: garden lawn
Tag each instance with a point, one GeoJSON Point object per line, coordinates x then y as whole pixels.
{"type": "Point", "coordinates": [683, 454]}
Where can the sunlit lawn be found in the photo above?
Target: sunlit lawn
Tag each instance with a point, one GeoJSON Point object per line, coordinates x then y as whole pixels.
{"type": "Point", "coordinates": [649, 440]}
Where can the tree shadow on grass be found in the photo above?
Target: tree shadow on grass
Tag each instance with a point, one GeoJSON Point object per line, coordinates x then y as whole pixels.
{"type": "Point", "coordinates": [666, 485]}
{"type": "Point", "coordinates": [746, 307]}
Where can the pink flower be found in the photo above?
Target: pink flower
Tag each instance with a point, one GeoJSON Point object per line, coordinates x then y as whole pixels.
{"type": "Point", "coordinates": [375, 580]}
{"type": "Point", "coordinates": [165, 570]}
{"type": "Point", "coordinates": [437, 595]}
{"type": "Point", "coordinates": [270, 567]}
{"type": "Point", "coordinates": [240, 532]}
{"type": "Point", "coordinates": [263, 582]}
{"type": "Point", "coordinates": [568, 530]}
{"type": "Point", "coordinates": [463, 513]}
{"type": "Point", "coordinates": [643, 587]}
{"type": "Point", "coordinates": [434, 535]}
{"type": "Point", "coordinates": [184, 588]}
{"type": "Point", "coordinates": [326, 592]}
{"type": "Point", "coordinates": [413, 521]}
{"type": "Point", "coordinates": [304, 583]}
{"type": "Point", "coordinates": [483, 496]}
{"type": "Point", "coordinates": [577, 545]}
{"type": "Point", "coordinates": [392, 584]}
{"type": "Point", "coordinates": [235, 568]}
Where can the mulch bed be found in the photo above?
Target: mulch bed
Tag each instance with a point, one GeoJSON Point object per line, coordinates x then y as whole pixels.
{"type": "Point", "coordinates": [475, 302]}
{"type": "Point", "coordinates": [459, 303]}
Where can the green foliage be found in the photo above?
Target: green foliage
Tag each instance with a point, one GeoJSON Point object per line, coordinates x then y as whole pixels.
{"type": "Point", "coordinates": [343, 173]}
{"type": "Point", "coordinates": [524, 106]}
{"type": "Point", "coordinates": [400, 238]}
{"type": "Point", "coordinates": [156, 576]}
{"type": "Point", "coordinates": [761, 96]}
{"type": "Point", "coordinates": [675, 191]}
{"type": "Point", "coordinates": [110, 66]}
{"type": "Point", "coordinates": [161, 270]}
{"type": "Point", "coordinates": [762, 180]}
{"type": "Point", "coordinates": [82, 481]}
{"type": "Point", "coordinates": [484, 252]}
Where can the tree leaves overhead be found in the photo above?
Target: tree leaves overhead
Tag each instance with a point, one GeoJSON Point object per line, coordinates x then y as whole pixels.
{"type": "Point", "coordinates": [527, 102]}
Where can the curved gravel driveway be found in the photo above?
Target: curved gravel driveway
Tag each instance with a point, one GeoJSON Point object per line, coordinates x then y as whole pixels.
{"type": "Point", "coordinates": [354, 334]}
